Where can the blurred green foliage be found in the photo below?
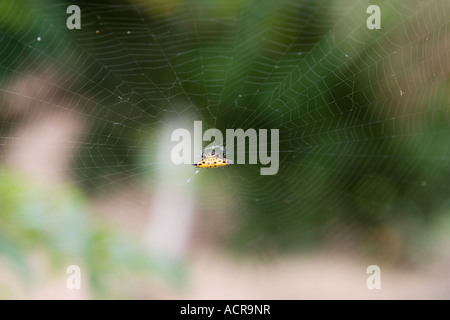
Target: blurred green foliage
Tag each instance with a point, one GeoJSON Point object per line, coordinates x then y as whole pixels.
{"type": "Point", "coordinates": [56, 222]}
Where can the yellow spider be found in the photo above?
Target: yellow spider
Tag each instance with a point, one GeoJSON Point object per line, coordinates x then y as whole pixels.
{"type": "Point", "coordinates": [212, 161]}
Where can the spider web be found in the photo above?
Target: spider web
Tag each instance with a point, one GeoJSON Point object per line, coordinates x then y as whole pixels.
{"type": "Point", "coordinates": [363, 114]}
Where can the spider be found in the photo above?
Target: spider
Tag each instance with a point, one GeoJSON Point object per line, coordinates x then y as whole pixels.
{"type": "Point", "coordinates": [212, 160]}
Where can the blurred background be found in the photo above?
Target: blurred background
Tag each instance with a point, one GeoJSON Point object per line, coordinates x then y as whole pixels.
{"type": "Point", "coordinates": [86, 177]}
